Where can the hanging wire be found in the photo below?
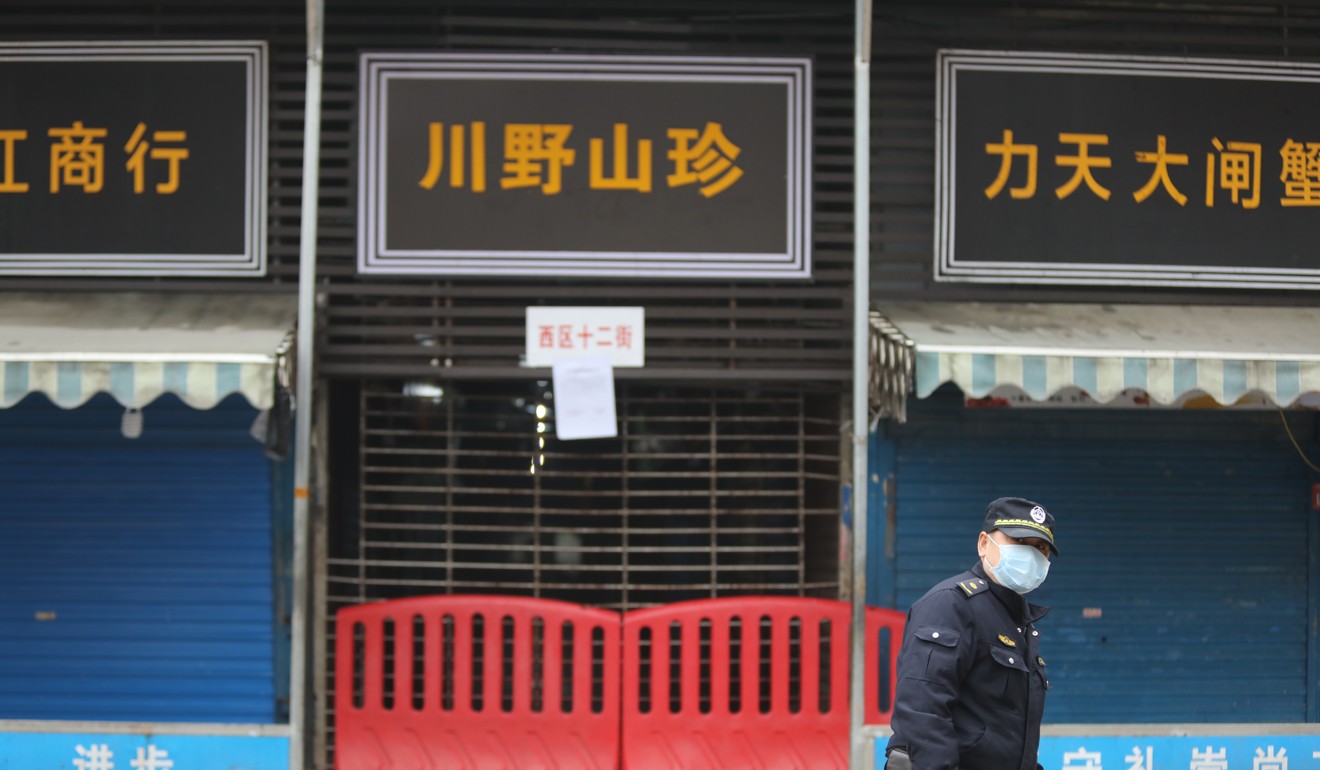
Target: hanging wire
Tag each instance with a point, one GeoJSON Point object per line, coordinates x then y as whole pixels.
{"type": "Point", "coordinates": [1296, 445]}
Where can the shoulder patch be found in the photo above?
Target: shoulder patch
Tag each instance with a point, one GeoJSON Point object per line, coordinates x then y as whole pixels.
{"type": "Point", "coordinates": [973, 586]}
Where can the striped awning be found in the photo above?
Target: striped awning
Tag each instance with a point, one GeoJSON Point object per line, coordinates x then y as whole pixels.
{"type": "Point", "coordinates": [137, 346]}
{"type": "Point", "coordinates": [1171, 353]}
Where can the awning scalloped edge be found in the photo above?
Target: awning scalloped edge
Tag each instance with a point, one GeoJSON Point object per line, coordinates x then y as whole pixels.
{"type": "Point", "coordinates": [1103, 379]}
{"type": "Point", "coordinates": [892, 367]}
{"type": "Point", "coordinates": [201, 385]}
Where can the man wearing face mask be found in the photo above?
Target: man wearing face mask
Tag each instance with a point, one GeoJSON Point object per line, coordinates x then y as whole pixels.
{"type": "Point", "coordinates": [971, 679]}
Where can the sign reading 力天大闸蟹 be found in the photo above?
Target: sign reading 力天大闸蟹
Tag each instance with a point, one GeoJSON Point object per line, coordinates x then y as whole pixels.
{"type": "Point", "coordinates": [1072, 169]}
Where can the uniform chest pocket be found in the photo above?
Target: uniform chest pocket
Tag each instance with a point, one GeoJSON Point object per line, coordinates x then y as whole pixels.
{"type": "Point", "coordinates": [945, 637]}
{"type": "Point", "coordinates": [934, 651]}
{"type": "Point", "coordinates": [1008, 658]}
{"type": "Point", "coordinates": [1007, 679]}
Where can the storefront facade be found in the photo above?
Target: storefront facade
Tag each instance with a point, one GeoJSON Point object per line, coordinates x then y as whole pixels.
{"type": "Point", "coordinates": [146, 346]}
{"type": "Point", "coordinates": [1110, 353]}
{"type": "Point", "coordinates": [450, 466]}
{"type": "Point", "coordinates": [147, 523]}
{"type": "Point", "coordinates": [438, 464]}
{"type": "Point", "coordinates": [1189, 536]}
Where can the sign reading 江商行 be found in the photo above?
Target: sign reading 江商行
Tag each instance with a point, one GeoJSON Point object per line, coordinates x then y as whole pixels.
{"type": "Point", "coordinates": [621, 166]}
{"type": "Point", "coordinates": [133, 159]}
{"type": "Point", "coordinates": [1072, 169]}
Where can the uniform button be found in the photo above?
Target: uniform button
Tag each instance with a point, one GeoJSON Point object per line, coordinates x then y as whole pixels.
{"type": "Point", "coordinates": [935, 635]}
{"type": "Point", "coordinates": [1010, 660]}
{"type": "Point", "coordinates": [1035, 633]}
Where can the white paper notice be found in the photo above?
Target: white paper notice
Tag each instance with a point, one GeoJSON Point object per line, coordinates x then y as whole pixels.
{"type": "Point", "coordinates": [584, 398]}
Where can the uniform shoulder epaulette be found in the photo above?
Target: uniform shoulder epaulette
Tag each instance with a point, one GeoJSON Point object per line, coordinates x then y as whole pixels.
{"type": "Point", "coordinates": [973, 586]}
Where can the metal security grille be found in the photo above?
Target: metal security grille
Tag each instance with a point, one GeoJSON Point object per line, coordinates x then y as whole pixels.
{"type": "Point", "coordinates": [463, 488]}
{"type": "Point", "coordinates": [705, 492]}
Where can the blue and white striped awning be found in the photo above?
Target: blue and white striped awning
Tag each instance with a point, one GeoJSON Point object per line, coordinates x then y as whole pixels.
{"type": "Point", "coordinates": [137, 346]}
{"type": "Point", "coordinates": [1171, 353]}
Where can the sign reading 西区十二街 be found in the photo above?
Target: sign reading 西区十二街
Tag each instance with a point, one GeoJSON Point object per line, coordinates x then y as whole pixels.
{"type": "Point", "coordinates": [621, 166]}
{"type": "Point", "coordinates": [1077, 169]}
{"type": "Point", "coordinates": [555, 333]}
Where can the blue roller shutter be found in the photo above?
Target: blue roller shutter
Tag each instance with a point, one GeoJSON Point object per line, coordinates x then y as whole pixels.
{"type": "Point", "coordinates": [1181, 594]}
{"type": "Point", "coordinates": [137, 572]}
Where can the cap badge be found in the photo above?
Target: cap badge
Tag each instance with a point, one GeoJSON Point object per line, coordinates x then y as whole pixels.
{"type": "Point", "coordinates": [1038, 515]}
{"type": "Point", "coordinates": [1007, 641]}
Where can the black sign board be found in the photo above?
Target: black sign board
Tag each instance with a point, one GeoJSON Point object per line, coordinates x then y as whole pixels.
{"type": "Point", "coordinates": [133, 159]}
{"type": "Point", "coordinates": [1127, 171]}
{"type": "Point", "coordinates": [590, 166]}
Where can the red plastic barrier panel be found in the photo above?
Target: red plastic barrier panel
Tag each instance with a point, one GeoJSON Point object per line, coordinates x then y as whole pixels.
{"type": "Point", "coordinates": [747, 682]}
{"type": "Point", "coordinates": [884, 635]}
{"type": "Point", "coordinates": [476, 682]}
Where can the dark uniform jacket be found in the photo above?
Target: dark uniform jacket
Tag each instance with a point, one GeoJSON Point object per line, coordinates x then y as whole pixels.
{"type": "Point", "coordinates": [971, 681]}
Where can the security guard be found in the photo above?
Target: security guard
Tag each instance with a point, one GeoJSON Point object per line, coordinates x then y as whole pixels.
{"type": "Point", "coordinates": [971, 679]}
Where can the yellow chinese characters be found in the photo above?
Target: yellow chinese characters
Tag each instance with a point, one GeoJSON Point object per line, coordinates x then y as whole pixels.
{"type": "Point", "coordinates": [459, 164]}
{"type": "Point", "coordinates": [1239, 172]}
{"type": "Point", "coordinates": [78, 158]}
{"type": "Point", "coordinates": [706, 158]}
{"type": "Point", "coordinates": [7, 183]}
{"type": "Point", "coordinates": [620, 180]}
{"type": "Point", "coordinates": [138, 149]}
{"type": "Point", "coordinates": [1083, 162]}
{"type": "Point", "coordinates": [539, 156]}
{"type": "Point", "coordinates": [1007, 150]}
{"type": "Point", "coordinates": [1300, 174]}
{"type": "Point", "coordinates": [1232, 166]}
{"type": "Point", "coordinates": [1161, 158]}
{"type": "Point", "coordinates": [535, 155]}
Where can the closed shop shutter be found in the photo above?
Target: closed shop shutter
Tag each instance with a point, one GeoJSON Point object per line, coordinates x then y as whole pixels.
{"type": "Point", "coordinates": [137, 572]}
{"type": "Point", "coordinates": [1181, 591]}
{"type": "Point", "coordinates": [706, 492]}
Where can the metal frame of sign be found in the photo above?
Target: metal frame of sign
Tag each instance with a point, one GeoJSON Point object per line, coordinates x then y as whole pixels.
{"type": "Point", "coordinates": [251, 262]}
{"type": "Point", "coordinates": [378, 69]}
{"type": "Point", "coordinates": [947, 267]}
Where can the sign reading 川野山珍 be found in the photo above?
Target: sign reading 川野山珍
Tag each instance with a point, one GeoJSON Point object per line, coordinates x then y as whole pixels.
{"type": "Point", "coordinates": [1071, 169]}
{"type": "Point", "coordinates": [521, 165]}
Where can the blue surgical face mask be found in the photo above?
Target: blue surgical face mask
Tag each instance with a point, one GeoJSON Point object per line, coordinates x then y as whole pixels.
{"type": "Point", "coordinates": [1021, 567]}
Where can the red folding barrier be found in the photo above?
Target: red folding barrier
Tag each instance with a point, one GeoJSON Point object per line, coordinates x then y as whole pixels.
{"type": "Point", "coordinates": [884, 635]}
{"type": "Point", "coordinates": [476, 682]}
{"type": "Point", "coordinates": [749, 683]}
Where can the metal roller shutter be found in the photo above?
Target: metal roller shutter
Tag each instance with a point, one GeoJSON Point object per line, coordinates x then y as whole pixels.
{"type": "Point", "coordinates": [1184, 542]}
{"type": "Point", "coordinates": [706, 492]}
{"type": "Point", "coordinates": [139, 571]}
